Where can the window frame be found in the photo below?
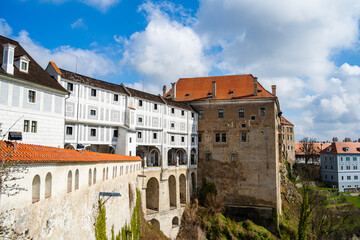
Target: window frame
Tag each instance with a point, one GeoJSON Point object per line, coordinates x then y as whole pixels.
{"type": "Point", "coordinates": [26, 125]}
{"type": "Point", "coordinates": [221, 113]}
{"type": "Point", "coordinates": [32, 96]}
{"type": "Point", "coordinates": [92, 132]}
{"type": "Point", "coordinates": [70, 86]}
{"type": "Point", "coordinates": [93, 92]}
{"type": "Point", "coordinates": [241, 112]}
{"type": "Point", "coordinates": [116, 97]}
{"type": "Point", "coordinates": [34, 126]}
{"type": "Point", "coordinates": [69, 130]}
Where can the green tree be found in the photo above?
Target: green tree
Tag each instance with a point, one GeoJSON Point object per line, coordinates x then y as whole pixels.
{"type": "Point", "coordinates": [100, 224]}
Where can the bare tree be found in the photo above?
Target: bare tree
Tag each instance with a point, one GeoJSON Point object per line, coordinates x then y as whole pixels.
{"type": "Point", "coordinates": [308, 148]}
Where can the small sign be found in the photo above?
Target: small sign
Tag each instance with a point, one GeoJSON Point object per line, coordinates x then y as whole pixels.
{"type": "Point", "coordinates": [109, 194]}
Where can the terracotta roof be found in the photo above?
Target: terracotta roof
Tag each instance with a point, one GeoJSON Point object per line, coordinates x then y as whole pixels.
{"type": "Point", "coordinates": [284, 121]}
{"type": "Point", "coordinates": [227, 87]}
{"type": "Point", "coordinates": [317, 145]}
{"type": "Point", "coordinates": [37, 153]}
{"type": "Point", "coordinates": [36, 73]}
{"type": "Point", "coordinates": [55, 67]}
{"type": "Point", "coordinates": [75, 77]}
{"type": "Point", "coordinates": [340, 147]}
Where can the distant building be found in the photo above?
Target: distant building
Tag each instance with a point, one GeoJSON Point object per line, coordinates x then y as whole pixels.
{"type": "Point", "coordinates": [31, 102]}
{"type": "Point", "coordinates": [238, 134]}
{"type": "Point", "coordinates": [287, 140]}
{"type": "Point", "coordinates": [340, 166]}
{"type": "Point", "coordinates": [314, 158]}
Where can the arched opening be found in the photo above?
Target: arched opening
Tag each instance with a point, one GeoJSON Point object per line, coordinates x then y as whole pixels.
{"type": "Point", "coordinates": [69, 182]}
{"type": "Point", "coordinates": [77, 179]}
{"type": "Point", "coordinates": [90, 177]}
{"type": "Point", "coordinates": [111, 150]}
{"type": "Point", "coordinates": [172, 191]}
{"type": "Point", "coordinates": [193, 182]}
{"type": "Point", "coordinates": [175, 222]}
{"type": "Point", "coordinates": [152, 194]}
{"type": "Point", "coordinates": [92, 148]}
{"type": "Point", "coordinates": [155, 223]}
{"type": "Point", "coordinates": [107, 173]}
{"type": "Point", "coordinates": [36, 189]}
{"type": "Point", "coordinates": [141, 152]}
{"type": "Point", "coordinates": [94, 177]}
{"type": "Point", "coordinates": [171, 158]}
{"type": "Point", "coordinates": [181, 157]}
{"type": "Point", "coordinates": [154, 158]}
{"type": "Point", "coordinates": [48, 185]}
{"type": "Point", "coordinates": [193, 157]}
{"type": "Point", "coordinates": [103, 174]}
{"type": "Point", "coordinates": [68, 146]}
{"type": "Point", "coordinates": [182, 189]}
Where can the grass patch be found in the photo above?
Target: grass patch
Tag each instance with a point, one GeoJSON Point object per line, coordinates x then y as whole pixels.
{"type": "Point", "coordinates": [354, 200]}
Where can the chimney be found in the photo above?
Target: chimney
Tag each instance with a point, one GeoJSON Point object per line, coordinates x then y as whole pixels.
{"type": "Point", "coordinates": [213, 89]}
{"type": "Point", "coordinates": [173, 90]}
{"type": "Point", "coordinates": [164, 90]}
{"type": "Point", "coordinates": [8, 58]}
{"type": "Point", "coordinates": [255, 86]}
{"type": "Point", "coordinates": [273, 90]}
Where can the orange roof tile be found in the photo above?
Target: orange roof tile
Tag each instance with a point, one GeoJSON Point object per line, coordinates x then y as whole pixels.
{"type": "Point", "coordinates": [37, 153]}
{"type": "Point", "coordinates": [338, 147]}
{"type": "Point", "coordinates": [56, 68]}
{"type": "Point", "coordinates": [227, 87]}
{"type": "Point", "coordinates": [317, 145]}
{"type": "Point", "coordinates": [284, 121]}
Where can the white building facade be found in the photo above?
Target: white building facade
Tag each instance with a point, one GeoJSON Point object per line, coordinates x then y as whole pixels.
{"type": "Point", "coordinates": [340, 166]}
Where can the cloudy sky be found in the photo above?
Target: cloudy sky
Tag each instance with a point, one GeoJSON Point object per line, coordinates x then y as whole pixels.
{"type": "Point", "coordinates": [309, 49]}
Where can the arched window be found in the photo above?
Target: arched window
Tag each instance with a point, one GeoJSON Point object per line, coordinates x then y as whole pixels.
{"type": "Point", "coordinates": [77, 179]}
{"type": "Point", "coordinates": [175, 222]}
{"type": "Point", "coordinates": [154, 159]}
{"type": "Point", "coordinates": [94, 177]}
{"type": "Point", "coordinates": [103, 174]}
{"type": "Point", "coordinates": [172, 191]}
{"type": "Point", "coordinates": [36, 189]}
{"type": "Point", "coordinates": [107, 173]}
{"type": "Point", "coordinates": [69, 182]}
{"type": "Point", "coordinates": [182, 189]}
{"type": "Point", "coordinates": [193, 157]}
{"type": "Point", "coordinates": [90, 177]}
{"type": "Point", "coordinates": [48, 185]}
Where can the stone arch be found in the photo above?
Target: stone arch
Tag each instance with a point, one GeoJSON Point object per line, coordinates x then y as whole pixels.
{"type": "Point", "coordinates": [36, 189]}
{"type": "Point", "coordinates": [69, 146]}
{"type": "Point", "coordinates": [181, 157]}
{"type": "Point", "coordinates": [182, 182]}
{"type": "Point", "coordinates": [77, 179]}
{"type": "Point", "coordinates": [155, 223]}
{"type": "Point", "coordinates": [152, 194]}
{"type": "Point", "coordinates": [48, 185]}
{"type": "Point", "coordinates": [69, 181]}
{"type": "Point", "coordinates": [142, 152]}
{"type": "Point", "coordinates": [193, 182]}
{"type": "Point", "coordinates": [90, 177]}
{"type": "Point", "coordinates": [175, 222]}
{"type": "Point", "coordinates": [154, 158]}
{"type": "Point", "coordinates": [193, 156]}
{"type": "Point", "coordinates": [171, 157]}
{"type": "Point", "coordinates": [94, 176]}
{"type": "Point", "coordinates": [111, 150]}
{"type": "Point", "coordinates": [172, 191]}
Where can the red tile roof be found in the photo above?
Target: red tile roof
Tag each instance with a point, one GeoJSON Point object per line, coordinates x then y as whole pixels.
{"type": "Point", "coordinates": [56, 68]}
{"type": "Point", "coordinates": [227, 87]}
{"type": "Point", "coordinates": [338, 147]}
{"type": "Point", "coordinates": [318, 147]}
{"type": "Point", "coordinates": [284, 121]}
{"type": "Point", "coordinates": [36, 153]}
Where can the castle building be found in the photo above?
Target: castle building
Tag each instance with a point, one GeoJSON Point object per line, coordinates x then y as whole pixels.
{"type": "Point", "coordinates": [31, 102]}
{"type": "Point", "coordinates": [340, 166]}
{"type": "Point", "coordinates": [238, 135]}
{"type": "Point", "coordinates": [287, 140]}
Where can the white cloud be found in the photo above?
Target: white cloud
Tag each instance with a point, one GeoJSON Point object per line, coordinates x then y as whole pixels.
{"type": "Point", "coordinates": [350, 70]}
{"type": "Point", "coordinates": [165, 50]}
{"type": "Point", "coordinates": [5, 29]}
{"type": "Point", "coordinates": [102, 5]}
{"type": "Point", "coordinates": [78, 24]}
{"type": "Point", "coordinates": [89, 62]}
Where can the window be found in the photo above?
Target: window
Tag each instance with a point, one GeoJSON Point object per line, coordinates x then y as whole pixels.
{"type": "Point", "coordinates": [262, 112]}
{"type": "Point", "coordinates": [69, 130]}
{"type": "Point", "coordinates": [241, 112]}
{"type": "Point", "coordinates": [199, 137]}
{"type": "Point", "coordinates": [26, 125]}
{"type": "Point", "coordinates": [130, 140]}
{"type": "Point", "coordinates": [355, 167]}
{"type": "Point", "coordinates": [355, 177]}
{"type": "Point", "coordinates": [291, 130]}
{"type": "Point", "coordinates": [342, 167]}
{"type": "Point", "coordinates": [172, 110]}
{"type": "Point", "coordinates": [253, 117]}
{"type": "Point", "coordinates": [24, 66]}
{"type": "Point", "coordinates": [243, 125]}
{"type": "Point", "coordinates": [220, 113]}
{"type": "Point", "coordinates": [116, 97]}
{"type": "Point", "coordinates": [182, 139]}
{"type": "Point", "coordinates": [70, 87]}
{"type": "Point", "coordinates": [223, 137]}
{"type": "Point", "coordinates": [140, 119]}
{"type": "Point", "coordinates": [348, 177]}
{"type": "Point", "coordinates": [93, 92]}
{"type": "Point", "coordinates": [220, 137]}
{"type": "Point", "coordinates": [33, 126]}
{"type": "Point", "coordinates": [332, 177]}
{"type": "Point", "coordinates": [77, 179]}
{"type": "Point", "coordinates": [155, 106]}
{"type": "Point", "coordinates": [201, 114]}
{"type": "Point", "coordinates": [154, 135]}
{"type": "Point", "coordinates": [193, 139]}
{"type": "Point", "coordinates": [342, 177]}
{"type": "Point", "coordinates": [140, 103]}
{"type": "Point", "coordinates": [182, 113]}
{"type": "Point", "coordinates": [354, 158]}
{"type": "Point", "coordinates": [93, 112]}
{"type": "Point", "coordinates": [192, 115]}
{"type": "Point", "coordinates": [93, 132]}
{"type": "Point", "coordinates": [346, 149]}
{"type": "Point", "coordinates": [116, 133]}
{"type": "Point", "coordinates": [347, 158]}
{"type": "Point", "coordinates": [172, 125]}
{"type": "Point", "coordinates": [243, 136]}
{"type": "Point", "coordinates": [172, 138]}
{"type": "Point", "coordinates": [208, 156]}
{"type": "Point", "coordinates": [347, 167]}
{"type": "Point", "coordinates": [217, 137]}
{"type": "Point", "coordinates": [139, 134]}
{"type": "Point", "coordinates": [32, 96]}
{"type": "Point", "coordinates": [341, 158]}
{"type": "Point", "coordinates": [234, 157]}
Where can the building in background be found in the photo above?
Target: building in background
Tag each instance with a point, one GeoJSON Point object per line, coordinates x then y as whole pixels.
{"type": "Point", "coordinates": [238, 141]}
{"type": "Point", "coordinates": [314, 156]}
{"type": "Point", "coordinates": [340, 166]}
{"type": "Point", "coordinates": [31, 102]}
{"type": "Point", "coordinates": [287, 140]}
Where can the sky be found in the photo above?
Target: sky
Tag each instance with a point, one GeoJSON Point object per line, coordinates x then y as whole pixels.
{"type": "Point", "coordinates": [309, 49]}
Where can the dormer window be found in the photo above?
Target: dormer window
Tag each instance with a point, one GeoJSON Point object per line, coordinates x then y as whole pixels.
{"type": "Point", "coordinates": [358, 149]}
{"type": "Point", "coordinates": [329, 149]}
{"type": "Point", "coordinates": [22, 63]}
{"type": "Point", "coordinates": [345, 149]}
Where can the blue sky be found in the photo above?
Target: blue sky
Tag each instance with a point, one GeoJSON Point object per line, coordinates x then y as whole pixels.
{"type": "Point", "coordinates": [309, 49]}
